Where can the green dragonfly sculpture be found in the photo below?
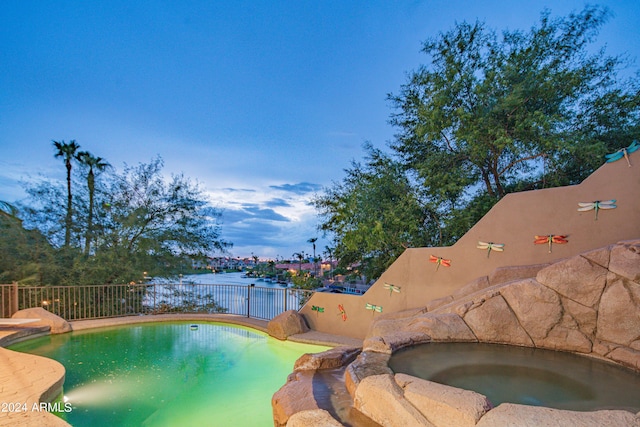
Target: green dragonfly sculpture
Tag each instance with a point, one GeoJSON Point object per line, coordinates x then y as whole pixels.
{"type": "Point", "coordinates": [392, 288]}
{"type": "Point", "coordinates": [317, 309]}
{"type": "Point", "coordinates": [373, 308]}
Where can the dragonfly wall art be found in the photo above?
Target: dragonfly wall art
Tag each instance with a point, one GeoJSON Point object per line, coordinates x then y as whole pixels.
{"type": "Point", "coordinates": [342, 313]}
{"type": "Point", "coordinates": [490, 246]}
{"type": "Point", "coordinates": [373, 308]}
{"type": "Point", "coordinates": [392, 288]}
{"type": "Point", "coordinates": [439, 261]}
{"type": "Point", "coordinates": [317, 309]}
{"type": "Point", "coordinates": [550, 239]}
{"type": "Point", "coordinates": [623, 152]}
{"type": "Point", "coordinates": [597, 205]}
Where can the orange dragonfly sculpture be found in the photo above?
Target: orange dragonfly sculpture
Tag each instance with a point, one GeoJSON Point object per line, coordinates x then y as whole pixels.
{"type": "Point", "coordinates": [597, 205]}
{"type": "Point", "coordinates": [439, 261]}
{"type": "Point", "coordinates": [550, 239]}
{"type": "Point", "coordinates": [342, 312]}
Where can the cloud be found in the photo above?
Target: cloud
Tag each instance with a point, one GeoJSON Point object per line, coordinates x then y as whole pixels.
{"type": "Point", "coordinates": [251, 212]}
{"type": "Point", "coordinates": [299, 188]}
{"type": "Point", "coordinates": [278, 203]}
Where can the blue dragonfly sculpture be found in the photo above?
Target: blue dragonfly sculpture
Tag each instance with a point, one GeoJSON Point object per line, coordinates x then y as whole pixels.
{"type": "Point", "coordinates": [623, 152]}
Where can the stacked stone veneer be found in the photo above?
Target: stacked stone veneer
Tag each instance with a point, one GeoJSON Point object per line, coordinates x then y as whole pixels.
{"type": "Point", "coordinates": [587, 304]}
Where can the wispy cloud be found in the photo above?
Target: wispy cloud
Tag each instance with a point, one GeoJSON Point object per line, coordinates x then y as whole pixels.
{"type": "Point", "coordinates": [299, 188]}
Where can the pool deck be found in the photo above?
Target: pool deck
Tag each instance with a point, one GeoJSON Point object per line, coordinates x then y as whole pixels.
{"type": "Point", "coordinates": [27, 380]}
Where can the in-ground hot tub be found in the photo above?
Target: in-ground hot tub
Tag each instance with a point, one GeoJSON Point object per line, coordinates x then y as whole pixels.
{"type": "Point", "coordinates": [170, 373]}
{"type": "Point", "coordinates": [523, 375]}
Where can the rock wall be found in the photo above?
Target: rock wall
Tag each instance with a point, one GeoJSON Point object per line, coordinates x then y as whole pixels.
{"type": "Point", "coordinates": [587, 304]}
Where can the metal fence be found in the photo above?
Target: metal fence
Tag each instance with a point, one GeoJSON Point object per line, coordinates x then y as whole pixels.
{"type": "Point", "coordinates": [98, 301]}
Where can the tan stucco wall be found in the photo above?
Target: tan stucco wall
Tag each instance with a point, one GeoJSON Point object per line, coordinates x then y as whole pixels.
{"type": "Point", "coordinates": [514, 221]}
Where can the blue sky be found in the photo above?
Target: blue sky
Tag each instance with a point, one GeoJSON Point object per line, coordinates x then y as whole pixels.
{"type": "Point", "coordinates": [263, 103]}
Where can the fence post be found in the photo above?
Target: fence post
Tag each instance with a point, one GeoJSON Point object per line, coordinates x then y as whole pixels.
{"type": "Point", "coordinates": [13, 302]}
{"type": "Point", "coordinates": [285, 300]}
{"type": "Point", "coordinates": [249, 299]}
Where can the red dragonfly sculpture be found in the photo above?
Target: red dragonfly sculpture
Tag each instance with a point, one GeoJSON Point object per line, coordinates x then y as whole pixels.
{"type": "Point", "coordinates": [550, 239]}
{"type": "Point", "coordinates": [440, 261]}
{"type": "Point", "coordinates": [342, 312]}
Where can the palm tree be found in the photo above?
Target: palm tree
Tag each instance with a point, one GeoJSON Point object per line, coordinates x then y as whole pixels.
{"type": "Point", "coordinates": [313, 242]}
{"type": "Point", "coordinates": [328, 251]}
{"type": "Point", "coordinates": [67, 150]}
{"type": "Point", "coordinates": [300, 256]}
{"type": "Point", "coordinates": [95, 164]}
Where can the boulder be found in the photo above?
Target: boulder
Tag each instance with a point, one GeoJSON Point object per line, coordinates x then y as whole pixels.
{"type": "Point", "coordinates": [472, 287]}
{"type": "Point", "coordinates": [493, 321]}
{"type": "Point", "coordinates": [442, 405]}
{"type": "Point", "coordinates": [442, 327]}
{"type": "Point", "coordinates": [329, 359]}
{"type": "Point", "coordinates": [576, 278]}
{"type": "Point", "coordinates": [368, 363]}
{"type": "Point", "coordinates": [585, 317]}
{"type": "Point", "coordinates": [380, 398]}
{"type": "Point", "coordinates": [509, 274]}
{"type": "Point", "coordinates": [600, 256]}
{"type": "Point", "coordinates": [286, 324]}
{"type": "Point", "coordinates": [619, 312]}
{"type": "Point", "coordinates": [434, 304]}
{"type": "Point", "coordinates": [537, 307]}
{"type": "Point", "coordinates": [627, 357]}
{"type": "Point", "coordinates": [395, 341]}
{"type": "Point", "coordinates": [313, 418]}
{"type": "Point", "coordinates": [566, 338]}
{"type": "Point", "coordinates": [293, 397]}
{"type": "Point", "coordinates": [58, 324]}
{"type": "Point", "coordinates": [625, 260]}
{"type": "Point", "coordinates": [510, 414]}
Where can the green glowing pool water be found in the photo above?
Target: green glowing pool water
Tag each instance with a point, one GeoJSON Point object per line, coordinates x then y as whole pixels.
{"type": "Point", "coordinates": [170, 374]}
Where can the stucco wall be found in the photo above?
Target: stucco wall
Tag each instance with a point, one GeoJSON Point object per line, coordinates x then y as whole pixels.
{"type": "Point", "coordinates": [514, 221]}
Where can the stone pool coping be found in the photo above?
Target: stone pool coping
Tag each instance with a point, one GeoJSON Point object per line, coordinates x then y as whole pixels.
{"type": "Point", "coordinates": [28, 379]}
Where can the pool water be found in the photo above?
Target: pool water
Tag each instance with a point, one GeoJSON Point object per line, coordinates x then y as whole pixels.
{"type": "Point", "coordinates": [524, 375]}
{"type": "Point", "coordinates": [170, 374]}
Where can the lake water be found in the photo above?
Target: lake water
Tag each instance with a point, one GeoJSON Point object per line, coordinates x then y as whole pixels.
{"type": "Point", "coordinates": [226, 279]}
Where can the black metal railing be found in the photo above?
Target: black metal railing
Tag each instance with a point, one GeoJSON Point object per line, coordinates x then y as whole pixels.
{"type": "Point", "coordinates": [98, 301]}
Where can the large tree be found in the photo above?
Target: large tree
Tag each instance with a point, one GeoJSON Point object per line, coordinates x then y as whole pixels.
{"type": "Point", "coordinates": [155, 224]}
{"type": "Point", "coordinates": [494, 113]}
{"type": "Point", "coordinates": [67, 150]}
{"type": "Point", "coordinates": [373, 214]}
{"type": "Point", "coordinates": [25, 255]}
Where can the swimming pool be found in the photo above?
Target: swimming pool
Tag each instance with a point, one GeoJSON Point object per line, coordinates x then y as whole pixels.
{"type": "Point", "coordinates": [168, 374]}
